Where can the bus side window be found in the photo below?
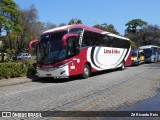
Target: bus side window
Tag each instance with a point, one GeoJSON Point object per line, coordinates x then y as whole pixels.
{"type": "Point", "coordinates": [87, 39]}
{"type": "Point", "coordinates": [91, 39]}
{"type": "Point", "coordinates": [106, 42]}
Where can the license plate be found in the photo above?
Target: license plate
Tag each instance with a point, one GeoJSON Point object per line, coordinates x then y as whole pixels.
{"type": "Point", "coordinates": [48, 75]}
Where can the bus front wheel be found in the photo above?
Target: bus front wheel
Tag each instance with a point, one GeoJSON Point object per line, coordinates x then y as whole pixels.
{"type": "Point", "coordinates": [86, 71]}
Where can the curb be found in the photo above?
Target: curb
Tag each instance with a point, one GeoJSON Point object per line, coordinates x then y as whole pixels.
{"type": "Point", "coordinates": [17, 80]}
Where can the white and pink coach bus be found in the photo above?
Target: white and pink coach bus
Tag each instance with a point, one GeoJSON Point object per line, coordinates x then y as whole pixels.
{"type": "Point", "coordinates": [80, 50]}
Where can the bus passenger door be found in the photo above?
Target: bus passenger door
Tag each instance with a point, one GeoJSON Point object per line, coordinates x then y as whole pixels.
{"type": "Point", "coordinates": [72, 46]}
{"type": "Point", "coordinates": [73, 49]}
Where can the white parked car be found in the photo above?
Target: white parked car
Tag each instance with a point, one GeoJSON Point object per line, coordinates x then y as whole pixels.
{"type": "Point", "coordinates": [23, 56]}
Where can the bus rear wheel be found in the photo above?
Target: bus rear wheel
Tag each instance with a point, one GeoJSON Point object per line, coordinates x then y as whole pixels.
{"type": "Point", "coordinates": [86, 71]}
{"type": "Point", "coordinates": [122, 66]}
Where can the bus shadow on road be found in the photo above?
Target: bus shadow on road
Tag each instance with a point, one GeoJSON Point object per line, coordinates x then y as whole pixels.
{"type": "Point", "coordinates": [54, 80]}
{"type": "Point", "coordinates": [154, 65]}
{"type": "Point", "coordinates": [106, 72]}
{"type": "Point", "coordinates": [102, 72]}
{"type": "Point", "coordinates": [73, 78]}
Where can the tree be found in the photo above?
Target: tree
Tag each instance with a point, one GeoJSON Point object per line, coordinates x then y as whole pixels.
{"type": "Point", "coordinates": [31, 28]}
{"type": "Point", "coordinates": [150, 35]}
{"type": "Point", "coordinates": [62, 24]}
{"type": "Point", "coordinates": [8, 16]}
{"type": "Point", "coordinates": [108, 28]}
{"type": "Point", "coordinates": [50, 25]}
{"type": "Point", "coordinates": [131, 37]}
{"type": "Point", "coordinates": [75, 21]}
{"type": "Point", "coordinates": [134, 25]}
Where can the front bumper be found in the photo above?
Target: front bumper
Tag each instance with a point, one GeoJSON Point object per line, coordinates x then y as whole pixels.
{"type": "Point", "coordinates": [135, 62]}
{"type": "Point", "coordinates": [58, 72]}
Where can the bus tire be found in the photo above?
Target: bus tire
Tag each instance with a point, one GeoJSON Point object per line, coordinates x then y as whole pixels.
{"type": "Point", "coordinates": [122, 66]}
{"type": "Point", "coordinates": [86, 71]}
{"type": "Point", "coordinates": [155, 60]}
{"type": "Point", "coordinates": [138, 63]}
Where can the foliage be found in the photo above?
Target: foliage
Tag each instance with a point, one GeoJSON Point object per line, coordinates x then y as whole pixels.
{"type": "Point", "coordinates": [131, 37]}
{"type": "Point", "coordinates": [11, 52]}
{"type": "Point", "coordinates": [75, 21]}
{"type": "Point", "coordinates": [62, 24]}
{"type": "Point", "coordinates": [22, 26]}
{"type": "Point", "coordinates": [8, 70]}
{"type": "Point", "coordinates": [31, 28]}
{"type": "Point", "coordinates": [17, 69]}
{"type": "Point", "coordinates": [31, 67]}
{"type": "Point", "coordinates": [133, 28]}
{"type": "Point", "coordinates": [50, 25]}
{"type": "Point", "coordinates": [150, 35]}
{"type": "Point", "coordinates": [134, 25]}
{"type": "Point", "coordinates": [8, 16]}
{"type": "Point", "coordinates": [108, 28]}
{"type": "Point", "coordinates": [1, 47]}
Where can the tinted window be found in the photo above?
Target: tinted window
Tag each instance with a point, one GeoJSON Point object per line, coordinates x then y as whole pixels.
{"type": "Point", "coordinates": [91, 39]}
{"type": "Point", "coordinates": [50, 47]}
{"type": "Point", "coordinates": [72, 46]}
{"type": "Point", "coordinates": [147, 52]}
{"type": "Point", "coordinates": [45, 38]}
{"type": "Point", "coordinates": [53, 36]}
{"type": "Point", "coordinates": [19, 54]}
{"type": "Point", "coordinates": [76, 30]}
{"type": "Point", "coordinates": [117, 43]}
{"type": "Point", "coordinates": [58, 35]}
{"type": "Point", "coordinates": [96, 39]}
{"type": "Point", "coordinates": [126, 43]}
{"type": "Point", "coordinates": [134, 54]}
{"type": "Point", "coordinates": [107, 41]}
{"type": "Point", "coordinates": [110, 41]}
{"type": "Point", "coordinates": [141, 54]}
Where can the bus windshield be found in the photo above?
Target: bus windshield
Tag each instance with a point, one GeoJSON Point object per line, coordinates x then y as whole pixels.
{"type": "Point", "coordinates": [50, 48]}
{"type": "Point", "coordinates": [134, 54]}
{"type": "Point", "coordinates": [147, 52]}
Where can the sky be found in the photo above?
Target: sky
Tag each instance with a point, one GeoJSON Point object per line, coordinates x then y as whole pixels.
{"type": "Point", "coordinates": [92, 12]}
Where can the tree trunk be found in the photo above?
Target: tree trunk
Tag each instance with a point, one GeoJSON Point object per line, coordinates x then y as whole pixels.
{"type": "Point", "coordinates": [0, 28]}
{"type": "Point", "coordinates": [9, 38]}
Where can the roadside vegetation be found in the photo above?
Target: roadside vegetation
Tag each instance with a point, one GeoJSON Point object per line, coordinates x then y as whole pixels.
{"type": "Point", "coordinates": [17, 69]}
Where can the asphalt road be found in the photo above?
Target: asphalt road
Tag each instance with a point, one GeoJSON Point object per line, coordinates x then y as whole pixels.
{"type": "Point", "coordinates": [104, 91]}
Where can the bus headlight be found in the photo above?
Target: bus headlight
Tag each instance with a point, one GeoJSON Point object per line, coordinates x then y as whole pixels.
{"type": "Point", "coordinates": [72, 63]}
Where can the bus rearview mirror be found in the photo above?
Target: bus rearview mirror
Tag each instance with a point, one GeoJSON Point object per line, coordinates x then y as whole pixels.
{"type": "Point", "coordinates": [31, 43]}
